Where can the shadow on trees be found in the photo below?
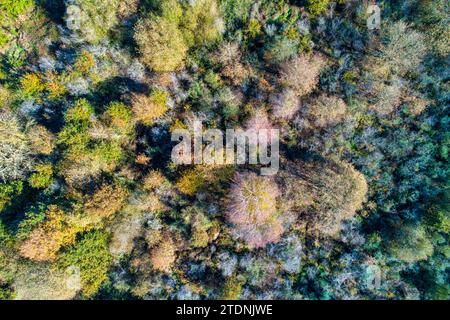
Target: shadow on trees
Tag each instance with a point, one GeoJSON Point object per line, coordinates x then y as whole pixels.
{"type": "Point", "coordinates": [114, 89]}
{"type": "Point", "coordinates": [54, 9]}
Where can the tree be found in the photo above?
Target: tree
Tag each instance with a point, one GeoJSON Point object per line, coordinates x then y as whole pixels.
{"type": "Point", "coordinates": [205, 178]}
{"type": "Point", "coordinates": [228, 53]}
{"type": "Point", "coordinates": [15, 154]}
{"type": "Point", "coordinates": [127, 228]}
{"type": "Point", "coordinates": [433, 17]}
{"type": "Point", "coordinates": [200, 22]}
{"type": "Point", "coordinates": [10, 11]}
{"type": "Point", "coordinates": [403, 49]}
{"type": "Point", "coordinates": [323, 112]}
{"type": "Point", "coordinates": [386, 95]}
{"type": "Point", "coordinates": [317, 7]}
{"type": "Point", "coordinates": [43, 177]}
{"type": "Point", "coordinates": [6, 96]}
{"type": "Point", "coordinates": [410, 244]}
{"type": "Point", "coordinates": [279, 50]}
{"type": "Point", "coordinates": [301, 73]}
{"type": "Point", "coordinates": [259, 121]}
{"type": "Point", "coordinates": [323, 193]}
{"type": "Point", "coordinates": [163, 255]}
{"type": "Point", "coordinates": [41, 140]}
{"type": "Point", "coordinates": [165, 36]}
{"type": "Point", "coordinates": [44, 282]}
{"type": "Point", "coordinates": [232, 288]}
{"type": "Point", "coordinates": [285, 104]}
{"type": "Point", "coordinates": [147, 109]}
{"type": "Point", "coordinates": [91, 20]}
{"type": "Point", "coordinates": [201, 226]}
{"type": "Point", "coordinates": [8, 191]}
{"type": "Point", "coordinates": [106, 201]}
{"type": "Point", "coordinates": [46, 239]}
{"type": "Point", "coordinates": [74, 134]}
{"type": "Point", "coordinates": [170, 10]}
{"type": "Point", "coordinates": [153, 180]}
{"type": "Point", "coordinates": [229, 57]}
{"type": "Point", "coordinates": [92, 146]}
{"type": "Point", "coordinates": [161, 44]}
{"type": "Point", "coordinates": [91, 255]}
{"type": "Point", "coordinates": [32, 85]}
{"type": "Point", "coordinates": [84, 62]}
{"type": "Point", "coordinates": [88, 164]}
{"type": "Point", "coordinates": [252, 210]}
{"type": "Point", "coordinates": [191, 181]}
{"type": "Point", "coordinates": [118, 116]}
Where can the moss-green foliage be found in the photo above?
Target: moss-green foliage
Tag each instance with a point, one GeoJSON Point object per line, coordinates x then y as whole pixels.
{"type": "Point", "coordinates": [232, 288]}
{"type": "Point", "coordinates": [280, 50]}
{"type": "Point", "coordinates": [317, 7]}
{"type": "Point", "coordinates": [411, 244]}
{"type": "Point", "coordinates": [78, 120]}
{"type": "Point", "coordinates": [31, 85]}
{"type": "Point", "coordinates": [93, 145]}
{"type": "Point", "coordinates": [200, 22]}
{"type": "Point", "coordinates": [170, 10]}
{"type": "Point", "coordinates": [13, 8]}
{"type": "Point", "coordinates": [8, 191]}
{"type": "Point", "coordinates": [253, 28]}
{"type": "Point", "coordinates": [236, 12]}
{"type": "Point", "coordinates": [109, 153]}
{"type": "Point", "coordinates": [91, 255]}
{"type": "Point", "coordinates": [15, 152]}
{"type": "Point", "coordinates": [6, 293]}
{"type": "Point", "coordinates": [119, 117]}
{"type": "Point", "coordinates": [161, 44]}
{"type": "Point", "coordinates": [32, 218]}
{"type": "Point", "coordinates": [43, 176]}
{"type": "Point", "coordinates": [10, 10]}
{"type": "Point", "coordinates": [23, 25]}
{"type": "Point", "coordinates": [166, 35]}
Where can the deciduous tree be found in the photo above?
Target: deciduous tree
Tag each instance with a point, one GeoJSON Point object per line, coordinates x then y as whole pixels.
{"type": "Point", "coordinates": [252, 210]}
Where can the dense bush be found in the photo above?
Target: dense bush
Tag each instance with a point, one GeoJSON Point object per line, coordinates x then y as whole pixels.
{"type": "Point", "coordinates": [10, 11]}
{"type": "Point", "coordinates": [91, 255]}
{"type": "Point", "coordinates": [316, 7]}
{"type": "Point", "coordinates": [411, 244]}
{"type": "Point", "coordinates": [42, 178]}
{"type": "Point", "coordinates": [165, 38]}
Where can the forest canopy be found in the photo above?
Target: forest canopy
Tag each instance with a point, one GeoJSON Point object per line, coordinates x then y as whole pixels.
{"type": "Point", "coordinates": [92, 206]}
